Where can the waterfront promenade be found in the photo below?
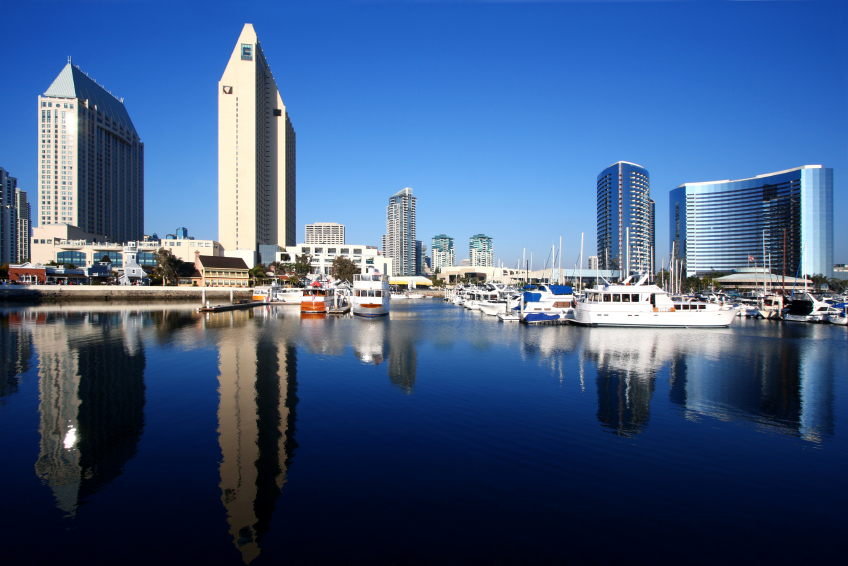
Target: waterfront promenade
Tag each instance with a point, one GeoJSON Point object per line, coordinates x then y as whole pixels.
{"type": "Point", "coordinates": [84, 293]}
{"type": "Point", "coordinates": [74, 293]}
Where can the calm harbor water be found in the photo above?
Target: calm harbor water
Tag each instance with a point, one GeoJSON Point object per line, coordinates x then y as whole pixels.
{"type": "Point", "coordinates": [155, 434]}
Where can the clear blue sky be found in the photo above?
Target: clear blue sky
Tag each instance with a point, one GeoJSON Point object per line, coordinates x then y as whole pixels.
{"type": "Point", "coordinates": [499, 115]}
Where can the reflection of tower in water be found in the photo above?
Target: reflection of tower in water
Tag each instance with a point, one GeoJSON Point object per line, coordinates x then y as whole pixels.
{"type": "Point", "coordinates": [403, 360]}
{"type": "Point", "coordinates": [256, 424]}
{"type": "Point", "coordinates": [91, 390]}
{"type": "Point", "coordinates": [15, 352]}
{"type": "Point", "coordinates": [626, 372]}
{"type": "Point", "coordinates": [784, 388]}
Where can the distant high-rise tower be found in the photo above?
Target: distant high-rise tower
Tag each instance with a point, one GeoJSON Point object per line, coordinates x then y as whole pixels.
{"type": "Point", "coordinates": [624, 202]}
{"type": "Point", "coordinates": [443, 252]}
{"type": "Point", "coordinates": [399, 241]}
{"type": "Point", "coordinates": [481, 252]}
{"type": "Point", "coordinates": [91, 161]}
{"type": "Point", "coordinates": [256, 153]}
{"type": "Point", "coordinates": [24, 218]}
{"type": "Point", "coordinates": [325, 233]}
{"type": "Point", "coordinates": [8, 218]}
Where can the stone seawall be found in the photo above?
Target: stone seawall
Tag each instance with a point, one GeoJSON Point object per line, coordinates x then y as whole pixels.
{"type": "Point", "coordinates": [101, 293]}
{"type": "Point", "coordinates": [85, 293]}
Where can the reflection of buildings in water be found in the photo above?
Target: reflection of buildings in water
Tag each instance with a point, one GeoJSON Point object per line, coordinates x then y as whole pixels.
{"type": "Point", "coordinates": [403, 359]}
{"type": "Point", "coordinates": [369, 340]}
{"type": "Point", "coordinates": [782, 386]}
{"type": "Point", "coordinates": [550, 346]}
{"type": "Point", "coordinates": [627, 361]}
{"type": "Point", "coordinates": [15, 351]}
{"type": "Point", "coordinates": [256, 419]}
{"type": "Point", "coordinates": [91, 401]}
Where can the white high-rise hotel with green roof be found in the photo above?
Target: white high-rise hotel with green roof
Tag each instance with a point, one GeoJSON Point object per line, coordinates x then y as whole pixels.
{"type": "Point", "coordinates": [90, 159]}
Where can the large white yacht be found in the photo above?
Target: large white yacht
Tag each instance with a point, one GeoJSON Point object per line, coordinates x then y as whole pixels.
{"type": "Point", "coordinates": [371, 296]}
{"type": "Point", "coordinates": [809, 309]}
{"type": "Point", "coordinates": [640, 304]}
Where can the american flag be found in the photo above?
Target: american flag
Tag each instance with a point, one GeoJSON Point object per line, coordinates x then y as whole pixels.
{"type": "Point", "coordinates": [751, 258]}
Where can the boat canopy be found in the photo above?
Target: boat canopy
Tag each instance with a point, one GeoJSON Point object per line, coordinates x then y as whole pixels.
{"type": "Point", "coordinates": [532, 297]}
{"type": "Point", "coordinates": [561, 289]}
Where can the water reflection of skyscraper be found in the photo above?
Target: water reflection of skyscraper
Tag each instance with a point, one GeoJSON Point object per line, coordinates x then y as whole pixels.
{"type": "Point", "coordinates": [15, 351]}
{"type": "Point", "coordinates": [627, 362]}
{"type": "Point", "coordinates": [403, 359]}
{"type": "Point", "coordinates": [91, 402]}
{"type": "Point", "coordinates": [256, 425]}
{"type": "Point", "coordinates": [781, 386]}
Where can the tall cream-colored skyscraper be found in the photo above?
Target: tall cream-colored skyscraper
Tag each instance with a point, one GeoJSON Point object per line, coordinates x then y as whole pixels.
{"type": "Point", "coordinates": [91, 160]}
{"type": "Point", "coordinates": [256, 153]}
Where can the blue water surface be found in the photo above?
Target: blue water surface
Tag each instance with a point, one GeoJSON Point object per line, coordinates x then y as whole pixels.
{"type": "Point", "coordinates": [156, 434]}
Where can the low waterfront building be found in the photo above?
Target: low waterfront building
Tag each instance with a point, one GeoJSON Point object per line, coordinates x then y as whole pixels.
{"type": "Point", "coordinates": [752, 278]}
{"type": "Point", "coordinates": [66, 244]}
{"type": "Point", "coordinates": [452, 274]}
{"type": "Point", "coordinates": [410, 281]}
{"type": "Point", "coordinates": [322, 257]}
{"type": "Point", "coordinates": [215, 271]}
{"type": "Point", "coordinates": [36, 274]}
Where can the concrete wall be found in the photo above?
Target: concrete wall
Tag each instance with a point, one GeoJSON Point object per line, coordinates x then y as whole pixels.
{"type": "Point", "coordinates": [73, 293]}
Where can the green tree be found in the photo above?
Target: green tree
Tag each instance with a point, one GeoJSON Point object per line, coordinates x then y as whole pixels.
{"type": "Point", "coordinates": [344, 269]}
{"type": "Point", "coordinates": [818, 280]}
{"type": "Point", "coordinates": [257, 274]}
{"type": "Point", "coordinates": [302, 265]}
{"type": "Point", "coordinates": [4, 271]}
{"type": "Point", "coordinates": [167, 266]}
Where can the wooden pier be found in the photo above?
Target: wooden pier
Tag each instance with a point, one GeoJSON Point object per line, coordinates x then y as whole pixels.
{"type": "Point", "coordinates": [344, 309]}
{"type": "Point", "coordinates": [246, 304]}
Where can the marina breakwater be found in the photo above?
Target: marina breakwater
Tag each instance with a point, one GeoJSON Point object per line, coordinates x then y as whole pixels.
{"type": "Point", "coordinates": [106, 293]}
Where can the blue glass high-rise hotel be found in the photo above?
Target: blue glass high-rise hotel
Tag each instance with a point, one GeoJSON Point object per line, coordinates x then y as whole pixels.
{"type": "Point", "coordinates": [718, 226]}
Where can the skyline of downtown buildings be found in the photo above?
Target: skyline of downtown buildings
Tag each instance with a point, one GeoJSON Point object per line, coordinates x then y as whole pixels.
{"type": "Point", "coordinates": [102, 167]}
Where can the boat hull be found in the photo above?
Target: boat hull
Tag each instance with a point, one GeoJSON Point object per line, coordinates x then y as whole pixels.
{"type": "Point", "coordinates": [370, 310]}
{"type": "Point", "coordinates": [681, 319]}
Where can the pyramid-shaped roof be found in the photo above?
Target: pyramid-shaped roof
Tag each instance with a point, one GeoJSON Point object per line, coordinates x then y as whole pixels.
{"type": "Point", "coordinates": [73, 83]}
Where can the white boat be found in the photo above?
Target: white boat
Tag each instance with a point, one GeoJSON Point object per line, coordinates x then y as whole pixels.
{"type": "Point", "coordinates": [405, 295]}
{"type": "Point", "coordinates": [839, 317]}
{"type": "Point", "coordinates": [370, 295]}
{"type": "Point", "coordinates": [808, 309]}
{"type": "Point", "coordinates": [771, 306]}
{"type": "Point", "coordinates": [546, 303]}
{"type": "Point", "coordinates": [642, 305]}
{"type": "Point", "coordinates": [277, 294]}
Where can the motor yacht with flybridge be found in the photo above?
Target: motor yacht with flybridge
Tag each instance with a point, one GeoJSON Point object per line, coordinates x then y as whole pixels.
{"type": "Point", "coordinates": [646, 304]}
{"type": "Point", "coordinates": [371, 296]}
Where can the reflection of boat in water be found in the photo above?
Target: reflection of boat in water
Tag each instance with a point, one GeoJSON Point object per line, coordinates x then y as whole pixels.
{"type": "Point", "coordinates": [370, 294]}
{"type": "Point", "coordinates": [637, 304]}
{"type": "Point", "coordinates": [369, 342]}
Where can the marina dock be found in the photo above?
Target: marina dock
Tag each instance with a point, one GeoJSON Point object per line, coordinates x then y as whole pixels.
{"type": "Point", "coordinates": [246, 304]}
